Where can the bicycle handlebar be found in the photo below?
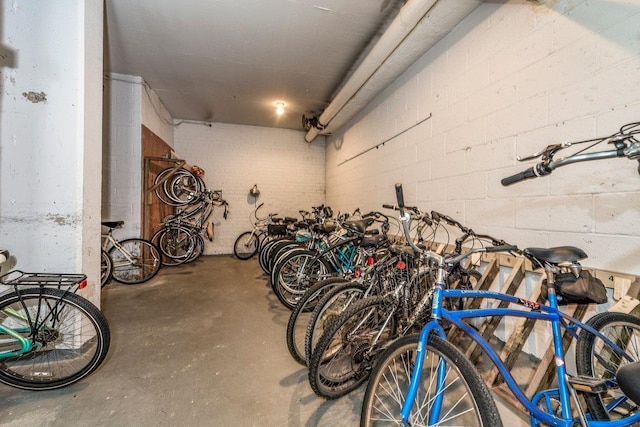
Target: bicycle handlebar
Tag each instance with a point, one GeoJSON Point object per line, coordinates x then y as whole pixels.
{"type": "Point", "coordinates": [521, 176]}
{"type": "Point", "coordinates": [624, 141]}
{"type": "Point", "coordinates": [546, 167]}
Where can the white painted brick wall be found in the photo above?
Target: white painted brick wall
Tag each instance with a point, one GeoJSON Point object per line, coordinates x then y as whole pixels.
{"type": "Point", "coordinates": [122, 151]}
{"type": "Point", "coordinates": [128, 105]}
{"type": "Point", "coordinates": [289, 172]}
{"type": "Point", "coordinates": [512, 78]}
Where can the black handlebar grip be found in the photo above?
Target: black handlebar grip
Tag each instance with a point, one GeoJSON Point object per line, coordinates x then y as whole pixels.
{"type": "Point", "coordinates": [399, 195]}
{"type": "Point", "coordinates": [504, 248]}
{"type": "Point", "coordinates": [389, 207]}
{"type": "Point", "coordinates": [521, 176]}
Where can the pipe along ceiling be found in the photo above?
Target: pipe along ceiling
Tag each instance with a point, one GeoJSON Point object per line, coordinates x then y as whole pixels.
{"type": "Point", "coordinates": [419, 25]}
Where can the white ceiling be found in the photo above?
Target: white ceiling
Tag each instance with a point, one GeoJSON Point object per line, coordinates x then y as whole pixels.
{"type": "Point", "coordinates": [229, 61]}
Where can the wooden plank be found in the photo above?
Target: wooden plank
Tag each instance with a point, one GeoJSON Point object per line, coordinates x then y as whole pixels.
{"type": "Point", "coordinates": [545, 372]}
{"type": "Point", "coordinates": [488, 276]}
{"type": "Point", "coordinates": [489, 326]}
{"type": "Point", "coordinates": [513, 347]}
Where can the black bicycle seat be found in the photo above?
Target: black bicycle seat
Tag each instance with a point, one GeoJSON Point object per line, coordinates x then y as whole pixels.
{"type": "Point", "coordinates": [113, 224]}
{"type": "Point", "coordinates": [556, 255]}
{"type": "Point", "coordinates": [627, 377]}
{"type": "Point", "coordinates": [358, 226]}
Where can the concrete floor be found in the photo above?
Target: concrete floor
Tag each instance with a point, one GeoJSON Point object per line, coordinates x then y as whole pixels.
{"type": "Point", "coordinates": [202, 344]}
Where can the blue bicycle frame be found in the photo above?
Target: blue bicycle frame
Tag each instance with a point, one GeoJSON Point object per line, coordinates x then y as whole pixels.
{"type": "Point", "coordinates": [535, 311]}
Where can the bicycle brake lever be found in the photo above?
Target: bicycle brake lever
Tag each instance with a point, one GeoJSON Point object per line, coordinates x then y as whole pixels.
{"type": "Point", "coordinates": [547, 153]}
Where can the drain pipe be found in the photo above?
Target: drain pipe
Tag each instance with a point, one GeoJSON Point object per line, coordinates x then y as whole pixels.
{"type": "Point", "coordinates": [408, 17]}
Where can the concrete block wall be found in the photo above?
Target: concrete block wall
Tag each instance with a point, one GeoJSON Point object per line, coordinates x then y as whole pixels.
{"type": "Point", "coordinates": [510, 79]}
{"type": "Point", "coordinates": [121, 168]}
{"type": "Point", "coordinates": [129, 103]}
{"type": "Point", "coordinates": [289, 172]}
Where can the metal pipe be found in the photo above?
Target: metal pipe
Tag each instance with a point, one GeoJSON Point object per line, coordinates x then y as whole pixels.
{"type": "Point", "coordinates": [408, 17]}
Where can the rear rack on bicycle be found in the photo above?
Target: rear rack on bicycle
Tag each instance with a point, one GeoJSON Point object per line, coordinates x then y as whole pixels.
{"type": "Point", "coordinates": [59, 280]}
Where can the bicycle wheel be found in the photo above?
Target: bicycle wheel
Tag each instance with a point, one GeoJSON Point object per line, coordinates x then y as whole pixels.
{"type": "Point", "coordinates": [277, 251]}
{"type": "Point", "coordinates": [594, 358]}
{"type": "Point", "coordinates": [180, 187]}
{"type": "Point", "coordinates": [176, 244]}
{"type": "Point", "coordinates": [279, 254]}
{"type": "Point", "coordinates": [301, 314]}
{"type": "Point", "coordinates": [263, 259]}
{"type": "Point", "coordinates": [198, 249]}
{"type": "Point", "coordinates": [348, 348]}
{"type": "Point", "coordinates": [69, 335]}
{"type": "Point", "coordinates": [106, 268]}
{"type": "Point", "coordinates": [465, 398]}
{"type": "Point", "coordinates": [135, 261]}
{"type": "Point", "coordinates": [297, 272]}
{"type": "Point", "coordinates": [328, 309]}
{"type": "Point", "coordinates": [246, 245]}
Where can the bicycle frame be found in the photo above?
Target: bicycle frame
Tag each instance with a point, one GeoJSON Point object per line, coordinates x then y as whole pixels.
{"type": "Point", "coordinates": [340, 254]}
{"type": "Point", "coordinates": [69, 281]}
{"type": "Point", "coordinates": [549, 313]}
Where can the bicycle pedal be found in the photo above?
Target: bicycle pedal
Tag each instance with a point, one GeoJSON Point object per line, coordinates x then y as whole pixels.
{"type": "Point", "coordinates": [588, 384]}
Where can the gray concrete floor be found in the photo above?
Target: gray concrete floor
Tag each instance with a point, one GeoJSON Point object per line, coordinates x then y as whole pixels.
{"type": "Point", "coordinates": [198, 345]}
{"type": "Point", "coordinates": [202, 344]}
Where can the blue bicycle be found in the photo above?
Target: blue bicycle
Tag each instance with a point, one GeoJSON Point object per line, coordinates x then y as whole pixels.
{"type": "Point", "coordinates": [424, 380]}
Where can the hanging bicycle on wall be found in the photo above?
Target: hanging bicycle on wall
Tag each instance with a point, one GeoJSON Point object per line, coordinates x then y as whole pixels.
{"type": "Point", "coordinates": [182, 236]}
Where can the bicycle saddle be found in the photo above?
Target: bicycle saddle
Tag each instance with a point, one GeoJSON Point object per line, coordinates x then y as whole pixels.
{"type": "Point", "coordinates": [627, 377]}
{"type": "Point", "coordinates": [556, 255]}
{"type": "Point", "coordinates": [374, 241]}
{"type": "Point", "coordinates": [359, 226]}
{"type": "Point", "coordinates": [113, 224]}
{"type": "Point", "coordinates": [324, 228]}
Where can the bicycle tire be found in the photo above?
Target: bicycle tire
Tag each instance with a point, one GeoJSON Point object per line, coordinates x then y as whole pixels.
{"type": "Point", "coordinates": [277, 251]}
{"type": "Point", "coordinates": [280, 253]}
{"type": "Point", "coordinates": [328, 308]}
{"type": "Point", "coordinates": [144, 265]}
{"type": "Point", "coordinates": [297, 272]}
{"type": "Point", "coordinates": [464, 388]}
{"type": "Point", "coordinates": [63, 321]}
{"type": "Point", "coordinates": [263, 259]}
{"type": "Point", "coordinates": [176, 243]}
{"type": "Point", "coordinates": [346, 352]}
{"type": "Point", "coordinates": [198, 248]}
{"type": "Point", "coordinates": [246, 245]}
{"type": "Point", "coordinates": [301, 314]}
{"type": "Point", "coordinates": [624, 330]}
{"type": "Point", "coordinates": [179, 189]}
{"type": "Point", "coordinates": [106, 268]}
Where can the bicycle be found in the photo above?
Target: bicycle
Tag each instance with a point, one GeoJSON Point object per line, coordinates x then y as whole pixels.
{"type": "Point", "coordinates": [337, 253]}
{"type": "Point", "coordinates": [50, 337]}
{"type": "Point", "coordinates": [349, 347]}
{"type": "Point", "coordinates": [129, 261]}
{"type": "Point", "coordinates": [380, 274]}
{"type": "Point", "coordinates": [249, 243]}
{"type": "Point", "coordinates": [424, 379]}
{"type": "Point", "coordinates": [182, 238]}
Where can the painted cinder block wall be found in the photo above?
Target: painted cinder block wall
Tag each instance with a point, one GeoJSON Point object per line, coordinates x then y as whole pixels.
{"type": "Point", "coordinates": [128, 104]}
{"type": "Point", "coordinates": [510, 79]}
{"type": "Point", "coordinates": [289, 172]}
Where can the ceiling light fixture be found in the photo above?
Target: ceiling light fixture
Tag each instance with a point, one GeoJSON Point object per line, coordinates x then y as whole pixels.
{"type": "Point", "coordinates": [279, 108]}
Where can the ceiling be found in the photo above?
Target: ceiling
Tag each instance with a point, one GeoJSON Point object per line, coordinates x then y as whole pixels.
{"type": "Point", "coordinates": [230, 61]}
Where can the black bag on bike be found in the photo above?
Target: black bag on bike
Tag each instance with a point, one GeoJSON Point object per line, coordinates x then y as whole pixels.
{"type": "Point", "coordinates": [585, 289]}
